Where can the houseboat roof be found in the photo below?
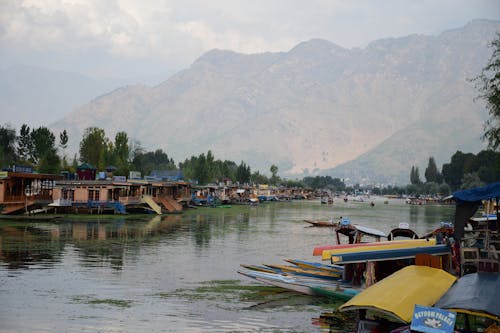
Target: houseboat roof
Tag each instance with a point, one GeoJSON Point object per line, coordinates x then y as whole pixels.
{"type": "Point", "coordinates": [8, 174]}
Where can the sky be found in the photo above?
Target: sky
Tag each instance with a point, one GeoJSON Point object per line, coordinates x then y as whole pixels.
{"type": "Point", "coordinates": [148, 40]}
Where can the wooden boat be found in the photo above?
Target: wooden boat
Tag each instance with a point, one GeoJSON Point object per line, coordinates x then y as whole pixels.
{"type": "Point", "coordinates": [303, 286]}
{"type": "Point", "coordinates": [315, 223]}
{"type": "Point", "coordinates": [317, 251]}
{"type": "Point", "coordinates": [336, 293]}
{"type": "Point", "coordinates": [396, 295]}
{"type": "Point", "coordinates": [403, 230]}
{"type": "Point", "coordinates": [307, 272]}
{"type": "Point", "coordinates": [327, 254]}
{"type": "Point", "coordinates": [316, 265]}
{"type": "Point", "coordinates": [474, 295]}
{"type": "Point", "coordinates": [356, 233]}
{"type": "Point", "coordinates": [393, 254]}
{"type": "Point", "coordinates": [295, 274]}
{"type": "Point", "coordinates": [278, 280]}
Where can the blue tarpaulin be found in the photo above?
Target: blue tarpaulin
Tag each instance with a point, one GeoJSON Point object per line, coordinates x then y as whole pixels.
{"type": "Point", "coordinates": [491, 191]}
{"type": "Point", "coordinates": [477, 293]}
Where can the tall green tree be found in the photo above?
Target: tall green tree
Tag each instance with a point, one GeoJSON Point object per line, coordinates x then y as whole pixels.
{"type": "Point", "coordinates": [488, 84]}
{"type": "Point", "coordinates": [24, 143]}
{"type": "Point", "coordinates": [7, 146]}
{"type": "Point", "coordinates": [44, 143]}
{"type": "Point", "coordinates": [93, 147]}
{"type": "Point", "coordinates": [431, 172]}
{"type": "Point", "coordinates": [243, 173]}
{"type": "Point", "coordinates": [415, 176]}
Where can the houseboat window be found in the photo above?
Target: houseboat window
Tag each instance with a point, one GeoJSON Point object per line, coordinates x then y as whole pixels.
{"type": "Point", "coordinates": [68, 194]}
{"type": "Point", "coordinates": [93, 195]}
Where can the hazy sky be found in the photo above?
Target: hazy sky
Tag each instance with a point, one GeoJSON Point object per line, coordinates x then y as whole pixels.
{"type": "Point", "coordinates": [150, 39]}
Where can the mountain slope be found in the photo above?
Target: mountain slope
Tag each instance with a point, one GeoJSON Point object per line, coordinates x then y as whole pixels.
{"type": "Point", "coordinates": [40, 96]}
{"type": "Point", "coordinates": [392, 104]}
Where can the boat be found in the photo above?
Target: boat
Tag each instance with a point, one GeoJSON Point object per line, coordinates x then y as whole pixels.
{"type": "Point", "coordinates": [356, 233]}
{"type": "Point", "coordinates": [395, 297]}
{"type": "Point", "coordinates": [316, 223]}
{"type": "Point", "coordinates": [474, 295]}
{"type": "Point", "coordinates": [311, 287]}
{"type": "Point", "coordinates": [378, 246]}
{"type": "Point", "coordinates": [403, 230]}
{"type": "Point", "coordinates": [315, 265]}
{"type": "Point", "coordinates": [317, 251]}
{"type": "Point", "coordinates": [335, 292]}
{"type": "Point", "coordinates": [278, 280]}
{"type": "Point", "coordinates": [307, 271]}
{"type": "Point", "coordinates": [391, 254]}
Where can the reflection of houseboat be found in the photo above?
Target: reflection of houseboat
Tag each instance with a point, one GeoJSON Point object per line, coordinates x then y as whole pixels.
{"type": "Point", "coordinates": [26, 192]}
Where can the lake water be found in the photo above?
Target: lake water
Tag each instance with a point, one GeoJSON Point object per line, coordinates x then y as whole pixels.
{"type": "Point", "coordinates": [177, 273]}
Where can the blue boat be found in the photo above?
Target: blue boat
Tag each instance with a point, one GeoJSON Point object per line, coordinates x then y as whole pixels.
{"type": "Point", "coordinates": [396, 254]}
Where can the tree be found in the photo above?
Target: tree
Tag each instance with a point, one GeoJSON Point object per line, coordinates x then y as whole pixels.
{"type": "Point", "coordinates": [93, 147]}
{"type": "Point", "coordinates": [7, 145]}
{"type": "Point", "coordinates": [488, 84]}
{"type": "Point", "coordinates": [274, 170]}
{"type": "Point", "coordinates": [415, 176]}
{"type": "Point", "coordinates": [43, 141]}
{"type": "Point", "coordinates": [243, 173]}
{"type": "Point", "coordinates": [432, 173]}
{"type": "Point", "coordinates": [24, 143]}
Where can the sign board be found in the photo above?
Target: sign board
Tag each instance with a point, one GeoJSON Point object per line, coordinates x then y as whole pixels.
{"type": "Point", "coordinates": [4, 174]}
{"type": "Point", "coordinates": [134, 175]}
{"type": "Point", "coordinates": [432, 320]}
{"type": "Point", "coordinates": [119, 178]}
{"type": "Point", "coordinates": [22, 169]}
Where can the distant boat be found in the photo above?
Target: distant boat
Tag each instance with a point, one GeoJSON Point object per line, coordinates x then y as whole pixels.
{"type": "Point", "coordinates": [317, 223]}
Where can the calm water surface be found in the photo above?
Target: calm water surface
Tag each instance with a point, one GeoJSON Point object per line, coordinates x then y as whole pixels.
{"type": "Point", "coordinates": [176, 273]}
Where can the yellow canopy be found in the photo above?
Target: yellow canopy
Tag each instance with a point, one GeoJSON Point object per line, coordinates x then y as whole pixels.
{"type": "Point", "coordinates": [398, 293]}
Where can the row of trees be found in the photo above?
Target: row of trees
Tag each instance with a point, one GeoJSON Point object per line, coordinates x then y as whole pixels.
{"type": "Point", "coordinates": [465, 170]}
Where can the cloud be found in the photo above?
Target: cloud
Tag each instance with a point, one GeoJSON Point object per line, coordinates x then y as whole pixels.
{"type": "Point", "coordinates": [173, 33]}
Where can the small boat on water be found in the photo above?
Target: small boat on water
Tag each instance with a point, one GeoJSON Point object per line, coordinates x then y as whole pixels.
{"type": "Point", "coordinates": [402, 231]}
{"type": "Point", "coordinates": [311, 287]}
{"type": "Point", "coordinates": [316, 265]}
{"type": "Point", "coordinates": [391, 254]}
{"type": "Point", "coordinates": [396, 295]}
{"type": "Point", "coordinates": [316, 223]}
{"type": "Point", "coordinates": [318, 251]}
{"type": "Point", "coordinates": [307, 271]}
{"type": "Point", "coordinates": [378, 246]}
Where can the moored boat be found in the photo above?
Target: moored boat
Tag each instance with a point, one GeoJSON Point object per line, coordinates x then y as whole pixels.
{"type": "Point", "coordinates": [377, 246]}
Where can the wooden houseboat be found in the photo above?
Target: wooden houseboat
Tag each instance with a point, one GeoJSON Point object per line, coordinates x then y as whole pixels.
{"type": "Point", "coordinates": [23, 192]}
{"type": "Point", "coordinates": [119, 196]}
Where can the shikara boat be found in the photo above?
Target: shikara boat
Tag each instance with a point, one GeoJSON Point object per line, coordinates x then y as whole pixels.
{"type": "Point", "coordinates": [318, 251]}
{"type": "Point", "coordinates": [377, 246]}
{"type": "Point", "coordinates": [307, 271]}
{"type": "Point", "coordinates": [316, 265]}
{"type": "Point", "coordinates": [476, 299]}
{"type": "Point", "coordinates": [316, 223]}
{"type": "Point", "coordinates": [391, 254]}
{"type": "Point", "coordinates": [402, 231]}
{"type": "Point", "coordinates": [396, 296]}
{"type": "Point", "coordinates": [306, 286]}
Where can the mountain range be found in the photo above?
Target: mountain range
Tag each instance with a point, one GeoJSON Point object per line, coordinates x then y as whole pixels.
{"type": "Point", "coordinates": [368, 114]}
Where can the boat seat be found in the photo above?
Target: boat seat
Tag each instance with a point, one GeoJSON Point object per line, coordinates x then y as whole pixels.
{"type": "Point", "coordinates": [469, 257]}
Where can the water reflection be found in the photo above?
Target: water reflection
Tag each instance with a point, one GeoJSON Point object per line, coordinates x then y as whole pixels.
{"type": "Point", "coordinates": [174, 273]}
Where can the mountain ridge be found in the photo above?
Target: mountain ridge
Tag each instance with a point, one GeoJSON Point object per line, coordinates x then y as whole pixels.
{"type": "Point", "coordinates": [312, 109]}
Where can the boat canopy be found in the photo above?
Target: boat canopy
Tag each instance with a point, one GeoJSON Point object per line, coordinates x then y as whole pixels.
{"type": "Point", "coordinates": [491, 191]}
{"type": "Point", "coordinates": [397, 294]}
{"type": "Point", "coordinates": [468, 201]}
{"type": "Point", "coordinates": [477, 294]}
